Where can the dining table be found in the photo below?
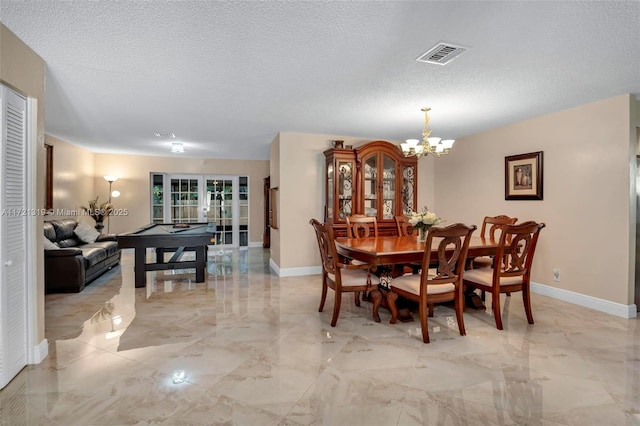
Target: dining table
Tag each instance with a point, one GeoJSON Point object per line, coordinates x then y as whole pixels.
{"type": "Point", "coordinates": [395, 251]}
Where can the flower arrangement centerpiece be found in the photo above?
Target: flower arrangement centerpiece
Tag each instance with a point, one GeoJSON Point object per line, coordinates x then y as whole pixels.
{"type": "Point", "coordinates": [423, 221]}
{"type": "Point", "coordinates": [98, 211]}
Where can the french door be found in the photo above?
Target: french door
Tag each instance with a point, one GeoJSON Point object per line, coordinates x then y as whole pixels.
{"type": "Point", "coordinates": [183, 198]}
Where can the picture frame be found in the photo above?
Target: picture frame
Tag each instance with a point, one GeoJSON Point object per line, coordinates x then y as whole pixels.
{"type": "Point", "coordinates": [523, 176]}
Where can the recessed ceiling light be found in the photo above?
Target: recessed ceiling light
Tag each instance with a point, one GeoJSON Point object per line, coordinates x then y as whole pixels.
{"type": "Point", "coordinates": [177, 147]}
{"type": "Point", "coordinates": [164, 135]}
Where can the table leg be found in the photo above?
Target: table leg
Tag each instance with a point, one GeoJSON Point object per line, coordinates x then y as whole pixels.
{"type": "Point", "coordinates": [159, 255]}
{"type": "Point", "coordinates": [201, 257]}
{"type": "Point", "coordinates": [140, 276]}
{"type": "Point", "coordinates": [376, 297]}
{"type": "Point", "coordinates": [404, 312]}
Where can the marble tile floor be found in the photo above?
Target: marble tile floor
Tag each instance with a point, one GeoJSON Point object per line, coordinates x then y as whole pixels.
{"type": "Point", "coordinates": [249, 348]}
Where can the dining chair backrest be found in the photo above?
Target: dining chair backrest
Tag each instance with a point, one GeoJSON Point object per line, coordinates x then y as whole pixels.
{"type": "Point", "coordinates": [361, 226]}
{"type": "Point", "coordinates": [453, 245]}
{"type": "Point", "coordinates": [516, 249]}
{"type": "Point", "coordinates": [446, 248]}
{"type": "Point", "coordinates": [327, 247]}
{"type": "Point", "coordinates": [493, 224]}
{"type": "Point", "coordinates": [342, 277]}
{"type": "Point", "coordinates": [517, 246]}
{"type": "Point", "coordinates": [403, 226]}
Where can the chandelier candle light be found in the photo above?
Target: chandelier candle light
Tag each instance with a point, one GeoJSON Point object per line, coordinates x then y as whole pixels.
{"type": "Point", "coordinates": [429, 145]}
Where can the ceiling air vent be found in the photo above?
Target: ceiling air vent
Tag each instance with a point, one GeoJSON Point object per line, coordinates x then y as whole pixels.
{"type": "Point", "coordinates": [441, 54]}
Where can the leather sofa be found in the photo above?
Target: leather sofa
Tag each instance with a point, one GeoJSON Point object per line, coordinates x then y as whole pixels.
{"type": "Point", "coordinates": [76, 263]}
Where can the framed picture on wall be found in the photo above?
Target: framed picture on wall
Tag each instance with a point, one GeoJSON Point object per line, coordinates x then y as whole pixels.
{"type": "Point", "coordinates": [523, 176]}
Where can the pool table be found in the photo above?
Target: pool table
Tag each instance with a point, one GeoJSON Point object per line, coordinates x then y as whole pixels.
{"type": "Point", "coordinates": [169, 237]}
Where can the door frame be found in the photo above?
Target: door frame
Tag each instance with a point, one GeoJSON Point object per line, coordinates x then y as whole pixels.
{"type": "Point", "coordinates": [36, 352]}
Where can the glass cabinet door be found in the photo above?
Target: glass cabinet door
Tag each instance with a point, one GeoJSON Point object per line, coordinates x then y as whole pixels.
{"type": "Point", "coordinates": [330, 191]}
{"type": "Point", "coordinates": [379, 181]}
{"type": "Point", "coordinates": [345, 189]}
{"type": "Point", "coordinates": [370, 186]}
{"type": "Point", "coordinates": [388, 187]}
{"type": "Point", "coordinates": [408, 189]}
{"type": "Point", "coordinates": [340, 189]}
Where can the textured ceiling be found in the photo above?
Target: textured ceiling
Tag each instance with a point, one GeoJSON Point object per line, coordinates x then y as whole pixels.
{"type": "Point", "coordinates": [225, 77]}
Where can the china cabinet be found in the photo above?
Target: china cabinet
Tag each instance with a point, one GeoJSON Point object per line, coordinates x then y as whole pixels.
{"type": "Point", "coordinates": [374, 179]}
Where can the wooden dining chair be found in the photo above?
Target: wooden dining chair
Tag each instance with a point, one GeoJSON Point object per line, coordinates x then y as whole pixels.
{"type": "Point", "coordinates": [517, 246]}
{"type": "Point", "coordinates": [441, 284]}
{"type": "Point", "coordinates": [341, 277]}
{"type": "Point", "coordinates": [491, 228]}
{"type": "Point", "coordinates": [361, 226]}
{"type": "Point", "coordinates": [403, 226]}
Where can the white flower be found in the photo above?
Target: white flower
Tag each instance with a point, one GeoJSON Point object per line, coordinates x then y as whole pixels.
{"type": "Point", "coordinates": [424, 219]}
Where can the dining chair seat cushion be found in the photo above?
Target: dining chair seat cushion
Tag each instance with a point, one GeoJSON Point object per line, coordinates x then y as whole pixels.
{"type": "Point", "coordinates": [357, 262]}
{"type": "Point", "coordinates": [411, 283]}
{"type": "Point", "coordinates": [485, 276]}
{"type": "Point", "coordinates": [483, 262]}
{"type": "Point", "coordinates": [354, 277]}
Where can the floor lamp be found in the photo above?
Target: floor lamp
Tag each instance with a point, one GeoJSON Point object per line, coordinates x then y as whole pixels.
{"type": "Point", "coordinates": [115, 194]}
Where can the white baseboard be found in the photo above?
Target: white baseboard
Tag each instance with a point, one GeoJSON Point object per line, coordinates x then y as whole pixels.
{"type": "Point", "coordinates": [255, 243]}
{"type": "Point", "coordinates": [294, 272]}
{"type": "Point", "coordinates": [606, 306]}
{"type": "Point", "coordinates": [39, 352]}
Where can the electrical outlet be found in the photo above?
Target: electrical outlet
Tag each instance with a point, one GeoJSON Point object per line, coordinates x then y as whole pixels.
{"type": "Point", "coordinates": [556, 274]}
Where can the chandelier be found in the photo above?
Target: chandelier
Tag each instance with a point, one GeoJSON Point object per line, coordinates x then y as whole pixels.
{"type": "Point", "coordinates": [429, 145]}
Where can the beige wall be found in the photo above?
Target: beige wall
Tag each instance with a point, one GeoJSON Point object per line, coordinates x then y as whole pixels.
{"type": "Point", "coordinates": [589, 193]}
{"type": "Point", "coordinates": [133, 173]}
{"type": "Point", "coordinates": [301, 182]}
{"type": "Point", "coordinates": [586, 202]}
{"type": "Point", "coordinates": [24, 71]}
{"type": "Point", "coordinates": [274, 172]}
{"type": "Point", "coordinates": [73, 178]}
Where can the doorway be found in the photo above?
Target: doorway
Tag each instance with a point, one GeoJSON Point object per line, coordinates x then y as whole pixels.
{"type": "Point", "coordinates": [187, 198]}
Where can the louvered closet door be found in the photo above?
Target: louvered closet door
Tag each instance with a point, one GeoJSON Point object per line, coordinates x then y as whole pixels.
{"type": "Point", "coordinates": [13, 275]}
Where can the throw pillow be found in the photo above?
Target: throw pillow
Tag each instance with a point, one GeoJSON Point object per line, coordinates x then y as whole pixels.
{"type": "Point", "coordinates": [49, 245]}
{"type": "Point", "coordinates": [86, 233]}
